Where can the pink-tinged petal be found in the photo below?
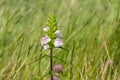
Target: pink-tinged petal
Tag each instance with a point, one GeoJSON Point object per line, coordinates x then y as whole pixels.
{"type": "Point", "coordinates": [58, 42]}
{"type": "Point", "coordinates": [45, 40]}
{"type": "Point", "coordinates": [58, 33]}
{"type": "Point", "coordinates": [46, 29]}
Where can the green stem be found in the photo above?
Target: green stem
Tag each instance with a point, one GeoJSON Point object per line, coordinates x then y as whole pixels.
{"type": "Point", "coordinates": [51, 66]}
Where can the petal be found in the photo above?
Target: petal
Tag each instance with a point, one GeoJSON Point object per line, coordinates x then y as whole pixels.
{"type": "Point", "coordinates": [45, 40]}
{"type": "Point", "coordinates": [58, 42]}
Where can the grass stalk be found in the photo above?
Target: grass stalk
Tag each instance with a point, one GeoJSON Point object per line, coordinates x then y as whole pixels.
{"type": "Point", "coordinates": [71, 62]}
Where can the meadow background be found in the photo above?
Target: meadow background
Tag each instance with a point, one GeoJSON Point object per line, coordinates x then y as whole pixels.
{"type": "Point", "coordinates": [91, 33]}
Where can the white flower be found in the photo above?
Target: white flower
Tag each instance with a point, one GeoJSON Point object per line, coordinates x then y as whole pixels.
{"type": "Point", "coordinates": [58, 33]}
{"type": "Point", "coordinates": [45, 40]}
{"type": "Point", "coordinates": [58, 42]}
{"type": "Point", "coordinates": [46, 29]}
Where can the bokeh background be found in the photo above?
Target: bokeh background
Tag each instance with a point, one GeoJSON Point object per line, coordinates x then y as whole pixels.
{"type": "Point", "coordinates": [91, 32]}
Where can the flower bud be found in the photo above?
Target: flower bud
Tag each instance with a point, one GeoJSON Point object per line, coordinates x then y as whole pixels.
{"type": "Point", "coordinates": [58, 68]}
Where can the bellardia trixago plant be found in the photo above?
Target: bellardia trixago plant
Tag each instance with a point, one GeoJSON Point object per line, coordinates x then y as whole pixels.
{"type": "Point", "coordinates": [52, 39]}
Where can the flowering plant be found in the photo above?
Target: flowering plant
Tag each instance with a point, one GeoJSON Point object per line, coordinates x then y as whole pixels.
{"type": "Point", "coordinates": [52, 39]}
{"type": "Point", "coordinates": [53, 35]}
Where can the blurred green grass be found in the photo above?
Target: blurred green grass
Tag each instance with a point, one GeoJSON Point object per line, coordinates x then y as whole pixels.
{"type": "Point", "coordinates": [93, 26]}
